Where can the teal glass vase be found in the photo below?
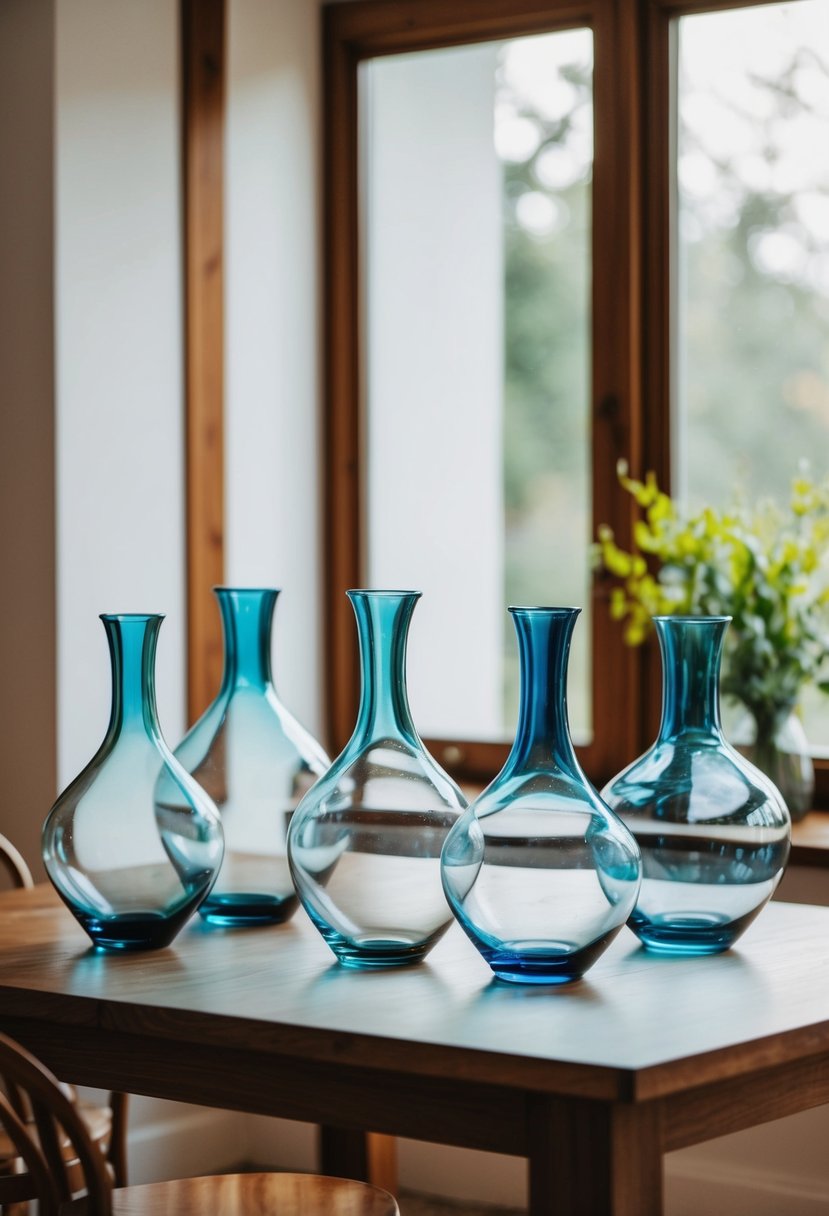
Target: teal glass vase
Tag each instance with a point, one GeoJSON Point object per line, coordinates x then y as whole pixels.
{"type": "Point", "coordinates": [540, 874]}
{"type": "Point", "coordinates": [133, 844]}
{"type": "Point", "coordinates": [255, 761]}
{"type": "Point", "coordinates": [364, 844]}
{"type": "Point", "coordinates": [714, 831]}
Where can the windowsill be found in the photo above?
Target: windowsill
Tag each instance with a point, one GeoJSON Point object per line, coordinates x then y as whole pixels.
{"type": "Point", "coordinates": [810, 840]}
{"type": "Point", "coordinates": [810, 837]}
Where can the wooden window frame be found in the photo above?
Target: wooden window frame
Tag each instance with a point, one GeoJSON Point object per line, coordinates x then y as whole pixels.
{"type": "Point", "coordinates": [203, 89]}
{"type": "Point", "coordinates": [659, 39]}
{"type": "Point", "coordinates": [632, 318]}
{"type": "Point", "coordinates": [364, 29]}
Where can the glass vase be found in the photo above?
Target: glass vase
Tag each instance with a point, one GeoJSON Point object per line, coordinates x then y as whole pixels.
{"type": "Point", "coordinates": [255, 761]}
{"type": "Point", "coordinates": [538, 871]}
{"type": "Point", "coordinates": [364, 844]}
{"type": "Point", "coordinates": [714, 831]}
{"type": "Point", "coordinates": [133, 844]}
{"type": "Point", "coordinates": [777, 744]}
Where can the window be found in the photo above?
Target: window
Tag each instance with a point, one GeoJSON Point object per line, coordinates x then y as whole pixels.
{"type": "Point", "coordinates": [475, 230]}
{"type": "Point", "coordinates": [752, 283]}
{"type": "Point", "coordinates": [516, 254]}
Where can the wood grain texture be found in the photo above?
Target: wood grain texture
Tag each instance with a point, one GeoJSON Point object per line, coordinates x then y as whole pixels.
{"type": "Point", "coordinates": [203, 121]}
{"type": "Point", "coordinates": [342, 514]}
{"type": "Point", "coordinates": [616, 338]}
{"type": "Point", "coordinates": [646, 1051]}
{"type": "Point", "coordinates": [346, 1153]}
{"type": "Point", "coordinates": [588, 1158]}
{"type": "Point", "coordinates": [382, 27]}
{"type": "Point", "coordinates": [637, 1027]}
{"type": "Point", "coordinates": [249, 1195]}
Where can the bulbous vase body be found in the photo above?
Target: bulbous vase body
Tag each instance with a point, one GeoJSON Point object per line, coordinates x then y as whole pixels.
{"type": "Point", "coordinates": [133, 844]}
{"type": "Point", "coordinates": [714, 831]}
{"type": "Point", "coordinates": [538, 871]}
{"type": "Point", "coordinates": [364, 844]}
{"type": "Point", "coordinates": [255, 761]}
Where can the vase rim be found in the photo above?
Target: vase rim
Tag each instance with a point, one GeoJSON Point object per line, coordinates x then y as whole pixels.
{"type": "Point", "coordinates": [244, 590]}
{"type": "Point", "coordinates": [690, 618]}
{"type": "Point", "coordinates": [131, 616]}
{"type": "Point", "coordinates": [556, 609]}
{"type": "Point", "coordinates": [380, 592]}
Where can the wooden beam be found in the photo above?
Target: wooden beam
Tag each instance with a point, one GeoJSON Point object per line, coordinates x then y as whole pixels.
{"type": "Point", "coordinates": [203, 117]}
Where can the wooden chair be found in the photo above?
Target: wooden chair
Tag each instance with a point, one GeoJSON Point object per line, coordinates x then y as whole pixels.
{"type": "Point", "coordinates": [47, 1175]}
{"type": "Point", "coordinates": [107, 1125]}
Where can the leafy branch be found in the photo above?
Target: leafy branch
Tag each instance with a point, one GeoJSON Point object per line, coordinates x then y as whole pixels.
{"type": "Point", "coordinates": [765, 566]}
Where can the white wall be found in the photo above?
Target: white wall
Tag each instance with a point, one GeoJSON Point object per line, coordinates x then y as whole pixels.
{"type": "Point", "coordinates": [272, 329]}
{"type": "Point", "coordinates": [118, 301]}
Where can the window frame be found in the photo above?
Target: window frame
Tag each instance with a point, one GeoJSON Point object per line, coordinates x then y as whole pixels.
{"type": "Point", "coordinates": [635, 49]}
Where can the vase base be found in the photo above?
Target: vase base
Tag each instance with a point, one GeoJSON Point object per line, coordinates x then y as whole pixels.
{"type": "Point", "coordinates": [691, 933]}
{"type": "Point", "coordinates": [234, 909]}
{"type": "Point", "coordinates": [385, 949]}
{"type": "Point", "coordinates": [133, 930]}
{"type": "Point", "coordinates": [545, 962]}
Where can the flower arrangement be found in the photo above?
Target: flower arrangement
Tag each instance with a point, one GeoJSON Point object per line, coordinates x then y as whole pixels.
{"type": "Point", "coordinates": [765, 566]}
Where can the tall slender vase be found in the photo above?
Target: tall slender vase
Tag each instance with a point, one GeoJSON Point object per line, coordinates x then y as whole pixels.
{"type": "Point", "coordinates": [714, 831]}
{"type": "Point", "coordinates": [539, 872]}
{"type": "Point", "coordinates": [133, 844]}
{"type": "Point", "coordinates": [364, 844]}
{"type": "Point", "coordinates": [255, 761]}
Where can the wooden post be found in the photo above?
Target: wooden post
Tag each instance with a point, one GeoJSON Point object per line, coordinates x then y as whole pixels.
{"type": "Point", "coordinates": [203, 117]}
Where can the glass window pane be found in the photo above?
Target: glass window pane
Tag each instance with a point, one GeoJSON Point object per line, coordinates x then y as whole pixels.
{"type": "Point", "coordinates": [752, 391]}
{"type": "Point", "coordinates": [477, 163]}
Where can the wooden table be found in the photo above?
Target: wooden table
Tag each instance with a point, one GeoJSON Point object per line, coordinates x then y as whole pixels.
{"type": "Point", "coordinates": [593, 1083]}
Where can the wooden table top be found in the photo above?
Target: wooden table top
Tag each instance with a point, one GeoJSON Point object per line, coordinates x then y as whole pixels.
{"type": "Point", "coordinates": [637, 1027]}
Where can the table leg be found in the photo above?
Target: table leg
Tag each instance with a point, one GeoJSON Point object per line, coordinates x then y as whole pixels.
{"type": "Point", "coordinates": [364, 1156]}
{"type": "Point", "coordinates": [593, 1157]}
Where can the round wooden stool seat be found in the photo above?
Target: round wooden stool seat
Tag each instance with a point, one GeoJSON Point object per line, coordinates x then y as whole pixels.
{"type": "Point", "coordinates": [248, 1195]}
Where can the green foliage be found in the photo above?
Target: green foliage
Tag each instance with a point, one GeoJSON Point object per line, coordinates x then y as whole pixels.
{"type": "Point", "coordinates": [765, 566]}
{"type": "Point", "coordinates": [754, 338]}
{"type": "Point", "coordinates": [546, 310]}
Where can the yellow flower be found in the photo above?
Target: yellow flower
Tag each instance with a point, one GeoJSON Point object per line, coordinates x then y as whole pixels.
{"type": "Point", "coordinates": [767, 567]}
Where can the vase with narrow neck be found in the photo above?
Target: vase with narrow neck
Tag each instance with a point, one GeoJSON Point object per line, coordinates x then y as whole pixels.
{"type": "Point", "coordinates": [364, 844]}
{"type": "Point", "coordinates": [540, 874]}
{"type": "Point", "coordinates": [255, 761]}
{"type": "Point", "coordinates": [133, 844]}
{"type": "Point", "coordinates": [714, 831]}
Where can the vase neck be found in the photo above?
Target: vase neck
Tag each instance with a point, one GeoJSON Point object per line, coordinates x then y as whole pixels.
{"type": "Point", "coordinates": [132, 642]}
{"type": "Point", "coordinates": [383, 619]}
{"type": "Point", "coordinates": [770, 718]}
{"type": "Point", "coordinates": [691, 655]}
{"type": "Point", "coordinates": [247, 617]}
{"type": "Point", "coordinates": [542, 737]}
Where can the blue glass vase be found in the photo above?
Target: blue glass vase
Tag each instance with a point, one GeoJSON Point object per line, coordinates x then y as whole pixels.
{"type": "Point", "coordinates": [133, 844]}
{"type": "Point", "coordinates": [539, 872]}
{"type": "Point", "coordinates": [714, 831]}
{"type": "Point", "coordinates": [255, 761]}
{"type": "Point", "coordinates": [364, 844]}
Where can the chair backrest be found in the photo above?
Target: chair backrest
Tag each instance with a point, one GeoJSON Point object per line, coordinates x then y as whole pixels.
{"type": "Point", "coordinates": [41, 1143]}
{"type": "Point", "coordinates": [14, 865]}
